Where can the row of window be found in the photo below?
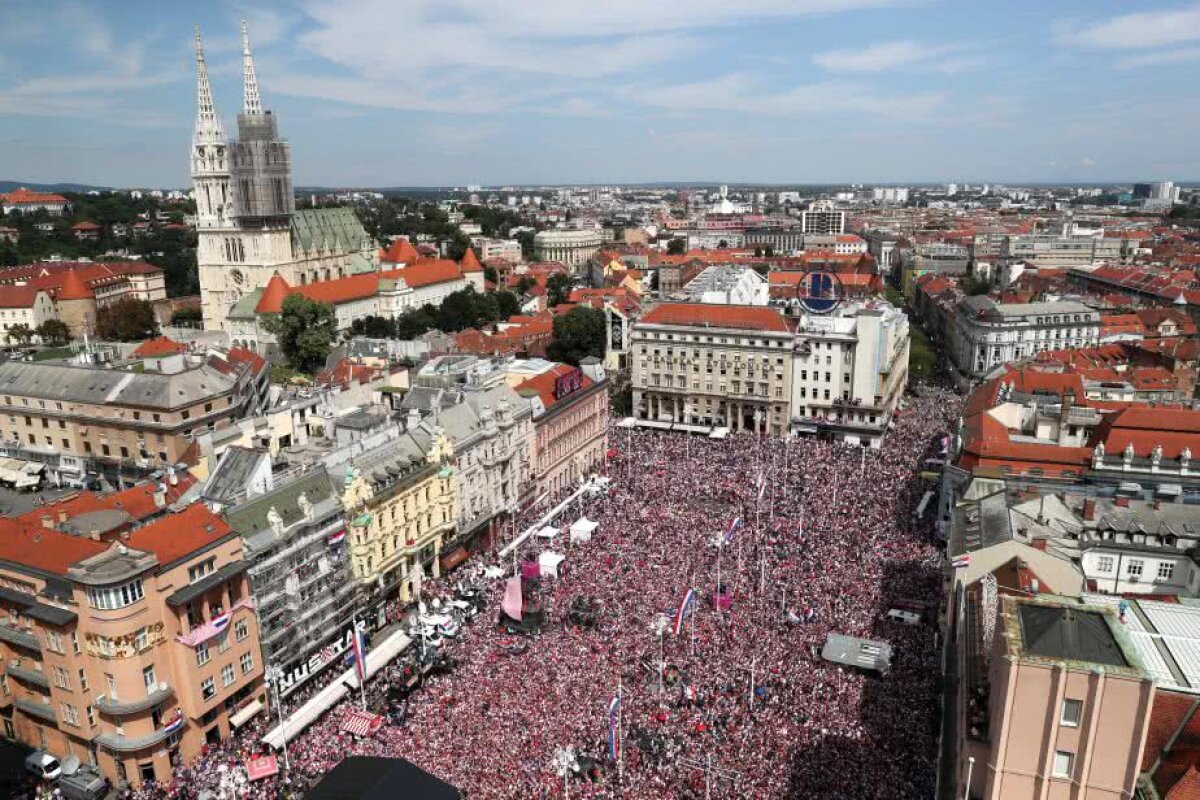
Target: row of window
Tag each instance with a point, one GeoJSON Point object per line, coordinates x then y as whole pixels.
{"type": "Point", "coordinates": [108, 598]}
{"type": "Point", "coordinates": [240, 631]}
{"type": "Point", "coordinates": [683, 337]}
{"type": "Point", "coordinates": [1134, 568]}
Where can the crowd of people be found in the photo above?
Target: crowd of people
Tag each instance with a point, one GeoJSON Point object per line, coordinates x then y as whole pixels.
{"type": "Point", "coordinates": [740, 702]}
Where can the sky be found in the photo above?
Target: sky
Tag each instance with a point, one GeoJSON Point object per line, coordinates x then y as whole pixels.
{"type": "Point", "coordinates": [456, 92]}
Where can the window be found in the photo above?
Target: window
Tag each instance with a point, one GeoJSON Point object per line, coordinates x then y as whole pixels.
{"type": "Point", "coordinates": [1166, 571]}
{"type": "Point", "coordinates": [91, 716]}
{"type": "Point", "coordinates": [1072, 712]}
{"type": "Point", "coordinates": [141, 639]}
{"type": "Point", "coordinates": [61, 679]}
{"type": "Point", "coordinates": [54, 641]}
{"type": "Point", "coordinates": [198, 571]}
{"type": "Point", "coordinates": [208, 688]}
{"type": "Point", "coordinates": [69, 714]}
{"type": "Point", "coordinates": [227, 674]}
{"type": "Point", "coordinates": [247, 662]}
{"type": "Point", "coordinates": [1134, 569]}
{"type": "Point", "coordinates": [148, 678]}
{"type": "Point", "coordinates": [116, 596]}
{"type": "Point", "coordinates": [112, 686]}
{"type": "Point", "coordinates": [1063, 762]}
{"type": "Point", "coordinates": [83, 681]}
{"type": "Point", "coordinates": [202, 655]}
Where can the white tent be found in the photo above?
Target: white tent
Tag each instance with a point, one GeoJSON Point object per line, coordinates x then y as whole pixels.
{"type": "Point", "coordinates": [548, 533]}
{"type": "Point", "coordinates": [548, 563]}
{"type": "Point", "coordinates": [582, 529]}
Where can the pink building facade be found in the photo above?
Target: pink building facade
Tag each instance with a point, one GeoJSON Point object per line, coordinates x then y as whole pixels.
{"type": "Point", "coordinates": [570, 422]}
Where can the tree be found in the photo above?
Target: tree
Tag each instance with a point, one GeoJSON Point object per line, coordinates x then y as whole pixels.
{"type": "Point", "coordinates": [558, 288]}
{"type": "Point", "coordinates": [305, 330]}
{"type": "Point", "coordinates": [490, 275]}
{"type": "Point", "coordinates": [373, 327]}
{"type": "Point", "coordinates": [975, 285]}
{"type": "Point", "coordinates": [19, 333]}
{"type": "Point", "coordinates": [54, 331]}
{"type": "Point", "coordinates": [578, 334]}
{"type": "Point", "coordinates": [412, 324]}
{"type": "Point", "coordinates": [126, 320]}
{"type": "Point", "coordinates": [507, 304]}
{"type": "Point", "coordinates": [525, 284]}
{"type": "Point", "coordinates": [676, 247]}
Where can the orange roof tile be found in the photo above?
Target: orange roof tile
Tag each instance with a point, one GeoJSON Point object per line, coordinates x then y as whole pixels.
{"type": "Point", "coordinates": [1169, 712]}
{"type": "Point", "coordinates": [240, 355]}
{"type": "Point", "coordinates": [470, 263]}
{"type": "Point", "coordinates": [73, 287]}
{"type": "Point", "coordinates": [543, 383]}
{"type": "Point", "coordinates": [179, 534]}
{"type": "Point", "coordinates": [18, 296]}
{"type": "Point", "coordinates": [274, 293]}
{"type": "Point", "coordinates": [341, 290]}
{"type": "Point", "coordinates": [426, 272]}
{"type": "Point", "coordinates": [41, 549]}
{"type": "Point", "coordinates": [158, 346]}
{"type": "Point", "coordinates": [401, 252]}
{"type": "Point", "coordinates": [23, 196]}
{"type": "Point", "coordinates": [755, 318]}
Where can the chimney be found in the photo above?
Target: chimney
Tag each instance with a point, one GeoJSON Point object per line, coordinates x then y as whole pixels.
{"type": "Point", "coordinates": [47, 522]}
{"type": "Point", "coordinates": [160, 495]}
{"type": "Point", "coordinates": [171, 477]}
{"type": "Point", "coordinates": [1089, 509]}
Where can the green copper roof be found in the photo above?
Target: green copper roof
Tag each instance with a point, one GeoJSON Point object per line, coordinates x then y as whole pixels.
{"type": "Point", "coordinates": [244, 308]}
{"type": "Point", "coordinates": [329, 229]}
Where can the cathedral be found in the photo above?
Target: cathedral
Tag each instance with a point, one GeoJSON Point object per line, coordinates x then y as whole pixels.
{"type": "Point", "coordinates": [246, 217]}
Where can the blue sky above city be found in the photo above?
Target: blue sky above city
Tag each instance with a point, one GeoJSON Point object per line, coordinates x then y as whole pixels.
{"type": "Point", "coordinates": [450, 92]}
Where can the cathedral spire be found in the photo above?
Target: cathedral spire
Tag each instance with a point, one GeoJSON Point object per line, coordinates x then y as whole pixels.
{"type": "Point", "coordinates": [253, 104]}
{"type": "Point", "coordinates": [208, 124]}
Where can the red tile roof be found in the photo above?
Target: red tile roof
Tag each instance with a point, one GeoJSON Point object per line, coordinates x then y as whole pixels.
{"type": "Point", "coordinates": [426, 272]}
{"type": "Point", "coordinates": [23, 196]}
{"type": "Point", "coordinates": [158, 346]}
{"type": "Point", "coordinates": [86, 225]}
{"type": "Point", "coordinates": [73, 287]}
{"type": "Point", "coordinates": [341, 290]}
{"type": "Point", "coordinates": [543, 384]}
{"type": "Point", "coordinates": [271, 301]}
{"type": "Point", "coordinates": [1145, 428]}
{"type": "Point", "coordinates": [1166, 716]}
{"type": "Point", "coordinates": [177, 535]}
{"type": "Point", "coordinates": [240, 355]}
{"type": "Point", "coordinates": [401, 252]}
{"type": "Point", "coordinates": [751, 318]}
{"type": "Point", "coordinates": [470, 263]}
{"type": "Point", "coordinates": [137, 501]}
{"type": "Point", "coordinates": [18, 296]}
{"type": "Point", "coordinates": [45, 550]}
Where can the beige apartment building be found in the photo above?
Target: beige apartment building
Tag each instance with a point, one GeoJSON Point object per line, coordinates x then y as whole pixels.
{"type": "Point", "coordinates": [132, 654]}
{"type": "Point", "coordinates": [112, 417]}
{"type": "Point", "coordinates": [1059, 707]}
{"type": "Point", "coordinates": [712, 365]}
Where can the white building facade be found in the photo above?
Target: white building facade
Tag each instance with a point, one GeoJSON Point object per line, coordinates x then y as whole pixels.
{"type": "Point", "coordinates": [988, 334]}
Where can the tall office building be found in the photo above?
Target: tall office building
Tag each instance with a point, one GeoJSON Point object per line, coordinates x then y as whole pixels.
{"type": "Point", "coordinates": [823, 218]}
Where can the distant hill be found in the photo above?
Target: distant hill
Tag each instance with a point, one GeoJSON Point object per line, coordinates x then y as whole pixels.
{"type": "Point", "coordinates": [8, 186]}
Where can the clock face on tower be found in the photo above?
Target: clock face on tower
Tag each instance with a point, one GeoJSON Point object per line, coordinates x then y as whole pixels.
{"type": "Point", "coordinates": [237, 277]}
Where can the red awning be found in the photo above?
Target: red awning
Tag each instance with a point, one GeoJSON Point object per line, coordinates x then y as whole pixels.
{"type": "Point", "coordinates": [455, 557]}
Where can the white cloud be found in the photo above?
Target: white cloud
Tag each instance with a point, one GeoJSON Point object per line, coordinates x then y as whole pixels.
{"type": "Point", "coordinates": [1161, 58]}
{"type": "Point", "coordinates": [1139, 30]}
{"type": "Point", "coordinates": [881, 57]}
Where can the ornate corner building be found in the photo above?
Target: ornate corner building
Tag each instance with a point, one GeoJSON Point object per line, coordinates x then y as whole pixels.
{"type": "Point", "coordinates": [246, 217]}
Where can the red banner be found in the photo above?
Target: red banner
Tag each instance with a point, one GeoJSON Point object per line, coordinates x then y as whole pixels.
{"type": "Point", "coordinates": [259, 768]}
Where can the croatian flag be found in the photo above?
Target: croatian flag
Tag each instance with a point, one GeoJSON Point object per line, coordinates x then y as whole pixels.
{"type": "Point", "coordinates": [961, 562]}
{"type": "Point", "coordinates": [360, 654]}
{"type": "Point", "coordinates": [732, 530]}
{"type": "Point", "coordinates": [221, 621]}
{"type": "Point", "coordinates": [614, 728]}
{"type": "Point", "coordinates": [762, 486]}
{"type": "Point", "coordinates": [686, 608]}
{"type": "Point", "coordinates": [174, 724]}
{"type": "Point", "coordinates": [337, 538]}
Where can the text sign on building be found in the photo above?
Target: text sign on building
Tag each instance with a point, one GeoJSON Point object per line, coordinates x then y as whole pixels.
{"type": "Point", "coordinates": [568, 383]}
{"type": "Point", "coordinates": [293, 677]}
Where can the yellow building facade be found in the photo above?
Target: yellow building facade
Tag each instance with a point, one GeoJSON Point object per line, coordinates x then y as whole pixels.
{"type": "Point", "coordinates": [402, 507]}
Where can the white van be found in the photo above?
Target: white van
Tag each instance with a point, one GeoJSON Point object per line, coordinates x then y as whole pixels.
{"type": "Point", "coordinates": [43, 765]}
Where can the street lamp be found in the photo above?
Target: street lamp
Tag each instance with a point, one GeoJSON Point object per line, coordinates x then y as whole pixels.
{"type": "Point", "coordinates": [970, 769]}
{"type": "Point", "coordinates": [273, 675]}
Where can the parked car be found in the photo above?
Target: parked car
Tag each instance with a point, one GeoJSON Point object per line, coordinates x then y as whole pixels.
{"type": "Point", "coordinates": [43, 765]}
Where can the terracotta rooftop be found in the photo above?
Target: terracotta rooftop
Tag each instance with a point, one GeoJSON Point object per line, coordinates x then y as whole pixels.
{"type": "Point", "coordinates": [400, 252]}
{"type": "Point", "coordinates": [158, 346]}
{"type": "Point", "coordinates": [22, 544]}
{"type": "Point", "coordinates": [751, 318]}
{"type": "Point", "coordinates": [176, 535]}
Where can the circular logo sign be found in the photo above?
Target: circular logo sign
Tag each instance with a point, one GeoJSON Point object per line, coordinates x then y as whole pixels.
{"type": "Point", "coordinates": [820, 292]}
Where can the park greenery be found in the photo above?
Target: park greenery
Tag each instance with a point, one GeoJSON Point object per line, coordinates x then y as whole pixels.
{"type": "Point", "coordinates": [304, 330]}
{"type": "Point", "coordinates": [126, 320]}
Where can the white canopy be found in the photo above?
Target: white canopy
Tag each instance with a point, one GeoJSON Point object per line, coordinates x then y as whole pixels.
{"type": "Point", "coordinates": [548, 532]}
{"type": "Point", "coordinates": [548, 563]}
{"type": "Point", "coordinates": [582, 528]}
{"type": "Point", "coordinates": [383, 652]}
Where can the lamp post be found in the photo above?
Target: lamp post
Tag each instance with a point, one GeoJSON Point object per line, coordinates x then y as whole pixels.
{"type": "Point", "coordinates": [970, 769]}
{"type": "Point", "coordinates": [273, 676]}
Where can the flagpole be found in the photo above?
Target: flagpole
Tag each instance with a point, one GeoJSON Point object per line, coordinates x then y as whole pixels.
{"type": "Point", "coordinates": [620, 733]}
{"type": "Point", "coordinates": [362, 675]}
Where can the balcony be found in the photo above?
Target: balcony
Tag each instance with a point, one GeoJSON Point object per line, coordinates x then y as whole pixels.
{"type": "Point", "coordinates": [43, 711]}
{"type": "Point", "coordinates": [117, 743]}
{"type": "Point", "coordinates": [122, 708]}
{"type": "Point", "coordinates": [14, 635]}
{"type": "Point", "coordinates": [27, 675]}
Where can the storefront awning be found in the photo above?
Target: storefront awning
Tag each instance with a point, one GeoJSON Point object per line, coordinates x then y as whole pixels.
{"type": "Point", "coordinates": [243, 715]}
{"type": "Point", "coordinates": [455, 557]}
